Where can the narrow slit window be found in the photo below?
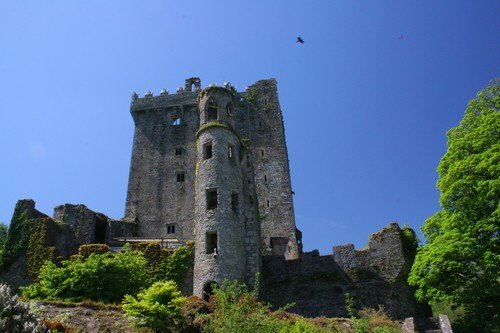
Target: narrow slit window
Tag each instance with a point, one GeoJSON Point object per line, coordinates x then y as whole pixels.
{"type": "Point", "coordinates": [170, 229]}
{"type": "Point", "coordinates": [260, 124]}
{"type": "Point", "coordinates": [212, 111]}
{"type": "Point", "coordinates": [268, 203]}
{"type": "Point", "coordinates": [211, 241]}
{"type": "Point", "coordinates": [178, 151]}
{"type": "Point", "coordinates": [176, 121]}
{"type": "Point", "coordinates": [230, 152]}
{"type": "Point", "coordinates": [207, 151]}
{"type": "Point", "coordinates": [211, 199]}
{"type": "Point", "coordinates": [265, 178]}
{"type": "Point", "coordinates": [235, 205]}
{"type": "Point", "coordinates": [262, 152]}
{"type": "Point", "coordinates": [180, 177]}
{"type": "Point", "coordinates": [230, 109]}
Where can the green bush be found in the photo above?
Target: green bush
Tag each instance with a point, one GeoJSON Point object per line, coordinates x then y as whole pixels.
{"type": "Point", "coordinates": [87, 249]}
{"type": "Point", "coordinates": [103, 277]}
{"type": "Point", "coordinates": [158, 307]}
{"type": "Point", "coordinates": [237, 310]}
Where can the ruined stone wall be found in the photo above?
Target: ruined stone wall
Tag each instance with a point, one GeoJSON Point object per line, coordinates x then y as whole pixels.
{"type": "Point", "coordinates": [41, 238]}
{"type": "Point", "coordinates": [318, 284]}
{"type": "Point", "coordinates": [155, 197]}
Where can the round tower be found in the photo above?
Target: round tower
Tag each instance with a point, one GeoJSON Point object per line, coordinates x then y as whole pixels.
{"type": "Point", "coordinates": [219, 222]}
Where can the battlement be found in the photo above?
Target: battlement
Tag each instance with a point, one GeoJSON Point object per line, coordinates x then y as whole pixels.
{"type": "Point", "coordinates": [186, 95]}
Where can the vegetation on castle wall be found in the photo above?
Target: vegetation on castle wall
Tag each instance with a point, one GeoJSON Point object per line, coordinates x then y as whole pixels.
{"type": "Point", "coordinates": [102, 277]}
{"type": "Point", "coordinates": [37, 250]}
{"type": "Point", "coordinates": [3, 236]}
{"type": "Point", "coordinates": [97, 274]}
{"type": "Point", "coordinates": [27, 237]}
{"type": "Point", "coordinates": [87, 249]}
{"type": "Point", "coordinates": [410, 242]}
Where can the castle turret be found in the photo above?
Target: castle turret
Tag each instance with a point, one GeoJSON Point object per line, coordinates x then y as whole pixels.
{"type": "Point", "coordinates": [219, 217]}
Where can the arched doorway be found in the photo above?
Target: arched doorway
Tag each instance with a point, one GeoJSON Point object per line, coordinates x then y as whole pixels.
{"type": "Point", "coordinates": [208, 290]}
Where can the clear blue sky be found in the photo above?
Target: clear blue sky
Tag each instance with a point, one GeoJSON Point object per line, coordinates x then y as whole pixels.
{"type": "Point", "coordinates": [365, 112]}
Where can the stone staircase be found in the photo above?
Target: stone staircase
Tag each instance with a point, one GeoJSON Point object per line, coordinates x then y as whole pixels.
{"type": "Point", "coordinates": [427, 325]}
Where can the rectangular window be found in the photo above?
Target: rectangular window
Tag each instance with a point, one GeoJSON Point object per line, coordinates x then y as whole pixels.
{"type": "Point", "coordinates": [268, 203]}
{"type": "Point", "coordinates": [180, 177]}
{"type": "Point", "coordinates": [235, 202]}
{"type": "Point", "coordinates": [211, 242]}
{"type": "Point", "coordinates": [211, 198]}
{"type": "Point", "coordinates": [178, 151]}
{"type": "Point", "coordinates": [176, 121]}
{"type": "Point", "coordinates": [265, 178]}
{"type": "Point", "coordinates": [170, 229]}
{"type": "Point", "coordinates": [207, 150]}
{"type": "Point", "coordinates": [262, 153]}
{"type": "Point", "coordinates": [230, 152]}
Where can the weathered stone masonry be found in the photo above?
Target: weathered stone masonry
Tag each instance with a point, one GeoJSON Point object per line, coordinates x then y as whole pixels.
{"type": "Point", "coordinates": [211, 165]}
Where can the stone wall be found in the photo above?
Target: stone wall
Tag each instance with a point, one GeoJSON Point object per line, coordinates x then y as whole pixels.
{"type": "Point", "coordinates": [318, 284]}
{"type": "Point", "coordinates": [72, 226]}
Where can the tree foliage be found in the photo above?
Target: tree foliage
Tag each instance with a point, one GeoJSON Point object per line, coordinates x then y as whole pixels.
{"type": "Point", "coordinates": [460, 261]}
{"type": "Point", "coordinates": [158, 307]}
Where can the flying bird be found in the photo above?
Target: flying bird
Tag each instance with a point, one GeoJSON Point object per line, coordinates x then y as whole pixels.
{"type": "Point", "coordinates": [300, 40]}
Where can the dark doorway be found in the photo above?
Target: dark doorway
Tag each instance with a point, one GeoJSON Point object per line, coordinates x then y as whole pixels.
{"type": "Point", "coordinates": [208, 290]}
{"type": "Point", "coordinates": [100, 227]}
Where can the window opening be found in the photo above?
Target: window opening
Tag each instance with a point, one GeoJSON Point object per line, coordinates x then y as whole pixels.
{"type": "Point", "coordinates": [235, 202]}
{"type": "Point", "coordinates": [211, 241]}
{"type": "Point", "coordinates": [170, 229]}
{"type": "Point", "coordinates": [211, 198]}
{"type": "Point", "coordinates": [208, 290]}
{"type": "Point", "coordinates": [178, 151]}
{"type": "Point", "coordinates": [176, 121]}
{"type": "Point", "coordinates": [268, 203]}
{"type": "Point", "coordinates": [265, 101]}
{"type": "Point", "coordinates": [262, 152]}
{"type": "Point", "coordinates": [212, 110]}
{"type": "Point", "coordinates": [207, 151]}
{"type": "Point", "coordinates": [180, 177]}
{"type": "Point", "coordinates": [230, 152]}
{"type": "Point", "coordinates": [230, 109]}
{"type": "Point", "coordinates": [265, 178]}
{"type": "Point", "coordinates": [260, 124]}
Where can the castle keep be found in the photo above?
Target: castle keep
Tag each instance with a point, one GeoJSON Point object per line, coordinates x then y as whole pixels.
{"type": "Point", "coordinates": [211, 166]}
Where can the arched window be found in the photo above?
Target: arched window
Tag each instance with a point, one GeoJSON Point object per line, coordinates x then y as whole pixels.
{"type": "Point", "coordinates": [212, 110]}
{"type": "Point", "coordinates": [230, 109]}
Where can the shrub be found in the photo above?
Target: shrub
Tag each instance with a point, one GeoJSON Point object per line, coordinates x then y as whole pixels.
{"type": "Point", "coordinates": [158, 307]}
{"type": "Point", "coordinates": [87, 249]}
{"type": "Point", "coordinates": [378, 319]}
{"type": "Point", "coordinates": [101, 277]}
{"type": "Point", "coordinates": [237, 310]}
{"type": "Point", "coordinates": [15, 316]}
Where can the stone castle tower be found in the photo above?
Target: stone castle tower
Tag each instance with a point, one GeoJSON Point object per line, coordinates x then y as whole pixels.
{"type": "Point", "coordinates": [211, 165]}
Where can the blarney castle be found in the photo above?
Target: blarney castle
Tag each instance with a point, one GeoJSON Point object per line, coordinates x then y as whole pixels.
{"type": "Point", "coordinates": [210, 165]}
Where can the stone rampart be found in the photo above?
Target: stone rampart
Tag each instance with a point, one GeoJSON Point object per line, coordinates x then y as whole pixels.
{"type": "Point", "coordinates": [318, 284]}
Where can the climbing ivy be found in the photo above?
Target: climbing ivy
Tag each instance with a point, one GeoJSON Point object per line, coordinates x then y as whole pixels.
{"type": "Point", "coordinates": [27, 236]}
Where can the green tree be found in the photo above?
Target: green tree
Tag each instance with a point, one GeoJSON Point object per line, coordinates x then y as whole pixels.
{"type": "Point", "coordinates": [158, 307]}
{"type": "Point", "coordinates": [460, 260]}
